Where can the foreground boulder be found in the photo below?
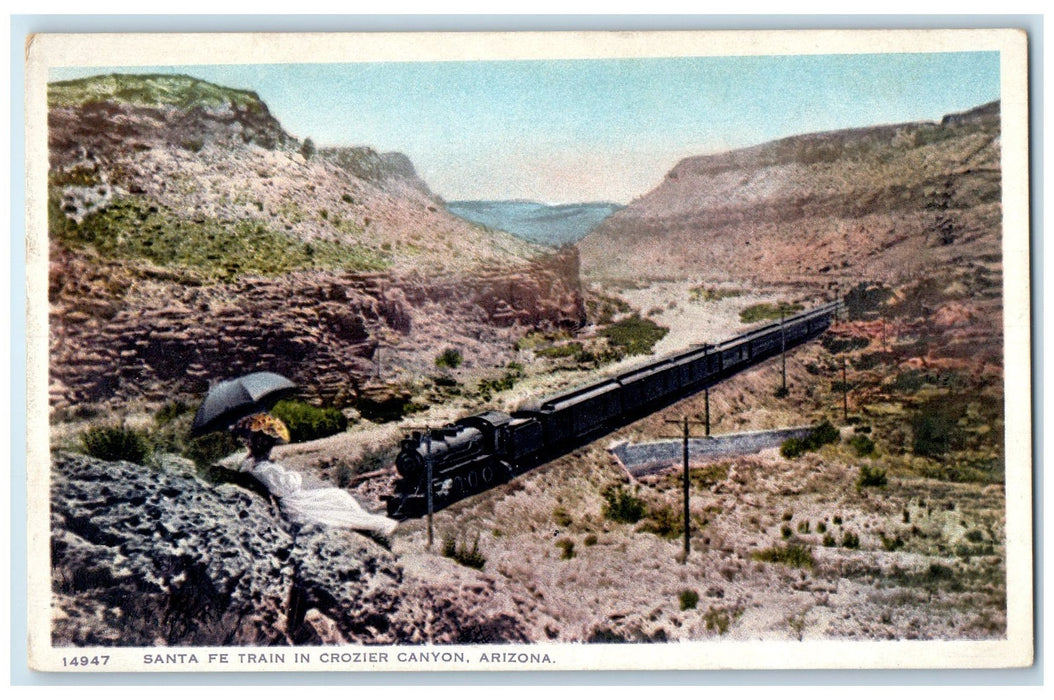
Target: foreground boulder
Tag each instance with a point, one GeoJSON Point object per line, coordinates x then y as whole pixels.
{"type": "Point", "coordinates": [147, 556]}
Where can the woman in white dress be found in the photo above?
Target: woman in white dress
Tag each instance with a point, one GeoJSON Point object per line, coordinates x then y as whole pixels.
{"type": "Point", "coordinates": [332, 507]}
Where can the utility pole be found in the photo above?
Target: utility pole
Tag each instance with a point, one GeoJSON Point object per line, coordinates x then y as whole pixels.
{"type": "Point", "coordinates": [687, 480]}
{"type": "Point", "coordinates": [783, 352]}
{"type": "Point", "coordinates": [706, 363]}
{"type": "Point", "coordinates": [687, 490]}
{"type": "Point", "coordinates": [845, 394]}
{"type": "Point", "coordinates": [707, 394]}
{"type": "Point", "coordinates": [428, 480]}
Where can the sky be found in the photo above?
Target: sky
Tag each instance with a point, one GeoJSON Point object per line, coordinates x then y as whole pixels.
{"type": "Point", "coordinates": [561, 131]}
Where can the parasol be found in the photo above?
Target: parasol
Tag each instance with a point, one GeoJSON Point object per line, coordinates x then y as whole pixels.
{"type": "Point", "coordinates": [234, 399]}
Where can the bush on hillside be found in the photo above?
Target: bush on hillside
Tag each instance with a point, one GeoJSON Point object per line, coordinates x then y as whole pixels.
{"type": "Point", "coordinates": [622, 506]}
{"type": "Point", "coordinates": [116, 443]}
{"type": "Point", "coordinates": [306, 422]}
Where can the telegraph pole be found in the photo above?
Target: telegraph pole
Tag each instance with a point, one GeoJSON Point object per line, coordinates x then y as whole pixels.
{"type": "Point", "coordinates": [783, 352]}
{"type": "Point", "coordinates": [687, 480]}
{"type": "Point", "coordinates": [707, 394]}
{"type": "Point", "coordinates": [428, 480]}
{"type": "Point", "coordinates": [706, 363]}
{"type": "Point", "coordinates": [845, 393]}
{"type": "Point", "coordinates": [687, 520]}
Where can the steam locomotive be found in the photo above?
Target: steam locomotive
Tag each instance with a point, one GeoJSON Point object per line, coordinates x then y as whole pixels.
{"type": "Point", "coordinates": [481, 451]}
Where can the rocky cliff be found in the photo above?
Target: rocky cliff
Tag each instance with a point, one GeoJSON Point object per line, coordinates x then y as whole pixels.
{"type": "Point", "coordinates": [192, 239]}
{"type": "Point", "coordinates": [882, 203]}
{"type": "Point", "coordinates": [119, 336]}
{"type": "Point", "coordinates": [153, 556]}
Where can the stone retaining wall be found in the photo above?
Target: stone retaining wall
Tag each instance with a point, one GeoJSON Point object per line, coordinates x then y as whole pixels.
{"type": "Point", "coordinates": [651, 457]}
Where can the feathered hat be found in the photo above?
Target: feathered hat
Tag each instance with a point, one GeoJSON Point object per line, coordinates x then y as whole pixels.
{"type": "Point", "coordinates": [262, 424]}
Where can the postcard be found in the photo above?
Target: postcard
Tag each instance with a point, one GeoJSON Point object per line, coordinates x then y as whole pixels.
{"type": "Point", "coordinates": [529, 351]}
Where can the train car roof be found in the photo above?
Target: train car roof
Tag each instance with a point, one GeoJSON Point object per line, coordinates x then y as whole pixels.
{"type": "Point", "coordinates": [586, 392]}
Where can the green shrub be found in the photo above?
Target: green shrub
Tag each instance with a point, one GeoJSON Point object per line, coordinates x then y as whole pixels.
{"type": "Point", "coordinates": [803, 527]}
{"type": "Point", "coordinates": [451, 357]}
{"type": "Point", "coordinates": [559, 351]}
{"type": "Point", "coordinates": [865, 298]}
{"type": "Point", "coordinates": [821, 527]}
{"type": "Point", "coordinates": [786, 532]}
{"type": "Point", "coordinates": [795, 555]}
{"type": "Point", "coordinates": [460, 553]}
{"type": "Point", "coordinates": [306, 422]}
{"type": "Point", "coordinates": [823, 434]}
{"type": "Point", "coordinates": [828, 540]}
{"type": "Point", "coordinates": [850, 541]}
{"type": "Point", "coordinates": [891, 544]}
{"type": "Point", "coordinates": [792, 448]}
{"type": "Point", "coordinates": [634, 335]}
{"type": "Point", "coordinates": [718, 619]}
{"type": "Point", "coordinates": [938, 572]}
{"type": "Point", "coordinates": [908, 382]}
{"type": "Point", "coordinates": [113, 443]}
{"type": "Point", "coordinates": [688, 599]}
{"type": "Point", "coordinates": [665, 521]}
{"type": "Point", "coordinates": [622, 506]}
{"type": "Point", "coordinates": [871, 476]}
{"type": "Point", "coordinates": [703, 294]}
{"type": "Point", "coordinates": [766, 312]}
{"type": "Point", "coordinates": [561, 517]}
{"type": "Point", "coordinates": [862, 445]}
{"type": "Point", "coordinates": [489, 387]}
{"type": "Point", "coordinates": [567, 547]}
{"type": "Point", "coordinates": [590, 540]}
{"type": "Point", "coordinates": [838, 344]}
{"type": "Point", "coordinates": [935, 429]}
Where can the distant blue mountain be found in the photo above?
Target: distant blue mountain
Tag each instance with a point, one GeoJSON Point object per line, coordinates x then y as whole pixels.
{"type": "Point", "coordinates": [546, 224]}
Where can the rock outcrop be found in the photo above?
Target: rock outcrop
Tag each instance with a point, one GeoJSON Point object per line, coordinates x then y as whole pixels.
{"type": "Point", "coordinates": [116, 337]}
{"type": "Point", "coordinates": [153, 556]}
{"type": "Point", "coordinates": [382, 168]}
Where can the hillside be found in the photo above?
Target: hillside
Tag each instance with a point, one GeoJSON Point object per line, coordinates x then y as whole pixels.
{"type": "Point", "coordinates": [192, 237]}
{"type": "Point", "coordinates": [882, 203]}
{"type": "Point", "coordinates": [183, 154]}
{"type": "Point", "coordinates": [546, 224]}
